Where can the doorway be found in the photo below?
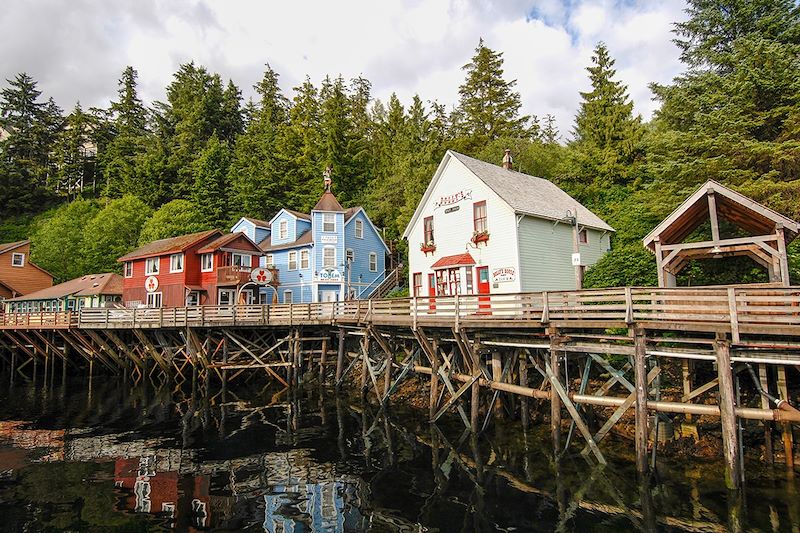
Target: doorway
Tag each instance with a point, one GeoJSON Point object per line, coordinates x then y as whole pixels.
{"type": "Point", "coordinates": [484, 302]}
{"type": "Point", "coordinates": [431, 292]}
{"type": "Point", "coordinates": [226, 297]}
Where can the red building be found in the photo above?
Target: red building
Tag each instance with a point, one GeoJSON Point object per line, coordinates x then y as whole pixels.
{"type": "Point", "coordinates": [206, 268]}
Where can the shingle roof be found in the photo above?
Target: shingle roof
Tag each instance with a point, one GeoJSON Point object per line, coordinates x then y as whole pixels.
{"type": "Point", "coordinates": [11, 245]}
{"type": "Point", "coordinates": [173, 244]}
{"type": "Point", "coordinates": [454, 260]}
{"type": "Point", "coordinates": [225, 239]}
{"type": "Point", "coordinates": [88, 285]}
{"type": "Point", "coordinates": [266, 244]}
{"type": "Point", "coordinates": [258, 222]}
{"type": "Point", "coordinates": [328, 202]}
{"type": "Point", "coordinates": [298, 214]}
{"type": "Point", "coordinates": [530, 195]}
{"type": "Point", "coordinates": [350, 212]}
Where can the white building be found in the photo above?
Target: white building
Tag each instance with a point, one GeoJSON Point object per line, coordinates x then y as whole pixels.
{"type": "Point", "coordinates": [482, 229]}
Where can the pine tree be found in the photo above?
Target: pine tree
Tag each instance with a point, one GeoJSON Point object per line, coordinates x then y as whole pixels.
{"type": "Point", "coordinates": [488, 106]}
{"type": "Point", "coordinates": [231, 118]}
{"type": "Point", "coordinates": [75, 150]}
{"type": "Point", "coordinates": [302, 147]}
{"type": "Point", "coordinates": [210, 190]}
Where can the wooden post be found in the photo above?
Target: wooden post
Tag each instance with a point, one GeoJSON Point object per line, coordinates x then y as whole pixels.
{"type": "Point", "coordinates": [387, 375]}
{"type": "Point", "coordinates": [364, 367]}
{"type": "Point", "coordinates": [322, 359]}
{"type": "Point", "coordinates": [768, 447]}
{"type": "Point", "coordinates": [786, 427]}
{"type": "Point", "coordinates": [497, 376]}
{"type": "Point", "coordinates": [475, 406]}
{"type": "Point", "coordinates": [727, 406]}
{"type": "Point", "coordinates": [555, 401]}
{"type": "Point", "coordinates": [523, 381]}
{"type": "Point", "coordinates": [340, 357]}
{"type": "Point", "coordinates": [640, 374]}
{"type": "Point", "coordinates": [434, 398]}
{"type": "Point", "coordinates": [687, 383]}
{"type": "Point", "coordinates": [782, 256]}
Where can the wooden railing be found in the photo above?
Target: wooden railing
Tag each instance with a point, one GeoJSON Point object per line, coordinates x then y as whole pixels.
{"type": "Point", "coordinates": [233, 275]}
{"type": "Point", "coordinates": [734, 310]}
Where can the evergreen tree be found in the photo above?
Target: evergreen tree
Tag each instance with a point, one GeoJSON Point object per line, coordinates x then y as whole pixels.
{"type": "Point", "coordinates": [58, 243]}
{"type": "Point", "coordinates": [340, 146]}
{"type": "Point", "coordinates": [231, 117]}
{"type": "Point", "coordinates": [210, 191]}
{"type": "Point", "coordinates": [488, 106]}
{"type": "Point", "coordinates": [302, 147]}
{"type": "Point", "coordinates": [113, 232]}
{"type": "Point", "coordinates": [75, 151]}
{"type": "Point", "coordinates": [172, 219]}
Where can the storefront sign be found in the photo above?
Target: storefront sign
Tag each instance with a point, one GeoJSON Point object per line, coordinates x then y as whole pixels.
{"type": "Point", "coordinates": [328, 239]}
{"type": "Point", "coordinates": [504, 274]}
{"type": "Point", "coordinates": [151, 284]}
{"type": "Point", "coordinates": [452, 199]}
{"type": "Point", "coordinates": [261, 276]}
{"type": "Point", "coordinates": [329, 275]}
{"type": "Point", "coordinates": [452, 209]}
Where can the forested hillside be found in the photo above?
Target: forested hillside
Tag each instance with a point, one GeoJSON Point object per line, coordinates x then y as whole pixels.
{"type": "Point", "coordinates": [88, 185]}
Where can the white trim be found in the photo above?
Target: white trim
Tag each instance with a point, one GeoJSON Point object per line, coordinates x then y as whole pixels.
{"type": "Point", "coordinates": [172, 259]}
{"type": "Point", "coordinates": [210, 268]}
{"type": "Point", "coordinates": [281, 228]}
{"type": "Point", "coordinates": [291, 296]}
{"type": "Point", "coordinates": [305, 255]}
{"type": "Point", "coordinates": [283, 210]}
{"type": "Point", "coordinates": [334, 256]}
{"type": "Point", "coordinates": [369, 264]}
{"type": "Point", "coordinates": [149, 271]}
{"type": "Point", "coordinates": [152, 296]}
{"type": "Point", "coordinates": [128, 265]}
{"type": "Point", "coordinates": [349, 252]}
{"type": "Point", "coordinates": [269, 260]}
{"type": "Point", "coordinates": [359, 225]}
{"type": "Point", "coordinates": [16, 255]}
{"type": "Point", "coordinates": [333, 218]}
{"type": "Point", "coordinates": [289, 260]}
{"type": "Point", "coordinates": [242, 261]}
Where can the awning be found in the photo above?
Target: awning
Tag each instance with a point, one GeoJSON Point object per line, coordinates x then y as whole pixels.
{"type": "Point", "coordinates": [454, 261]}
{"type": "Point", "coordinates": [197, 288]}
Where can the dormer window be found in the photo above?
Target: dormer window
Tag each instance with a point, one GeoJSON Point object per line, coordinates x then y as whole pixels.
{"type": "Point", "coordinates": [17, 260]}
{"type": "Point", "coordinates": [283, 229]}
{"type": "Point", "coordinates": [359, 229]}
{"type": "Point", "coordinates": [329, 222]}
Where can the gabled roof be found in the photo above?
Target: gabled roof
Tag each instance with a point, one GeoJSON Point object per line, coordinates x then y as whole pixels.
{"type": "Point", "coordinates": [353, 211]}
{"type": "Point", "coordinates": [302, 240]}
{"type": "Point", "coordinates": [734, 207]}
{"type": "Point", "coordinates": [171, 245]}
{"type": "Point", "coordinates": [7, 247]}
{"type": "Point", "coordinates": [328, 202]}
{"type": "Point", "coordinates": [218, 243]}
{"type": "Point", "coordinates": [526, 195]}
{"type": "Point", "coordinates": [88, 285]}
{"type": "Point", "coordinates": [454, 260]}
{"type": "Point", "coordinates": [295, 214]}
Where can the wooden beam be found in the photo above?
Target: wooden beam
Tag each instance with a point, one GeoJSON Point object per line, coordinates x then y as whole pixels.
{"type": "Point", "coordinates": [727, 409]}
{"type": "Point", "coordinates": [640, 371]}
{"type": "Point", "coordinates": [712, 214]}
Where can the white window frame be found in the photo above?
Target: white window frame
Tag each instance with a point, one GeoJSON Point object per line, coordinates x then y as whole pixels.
{"type": "Point", "coordinates": [305, 260]}
{"type": "Point", "coordinates": [290, 294]}
{"type": "Point", "coordinates": [246, 260]}
{"type": "Point", "coordinates": [175, 258]}
{"type": "Point", "coordinates": [292, 258]}
{"type": "Point", "coordinates": [128, 269]}
{"type": "Point", "coordinates": [192, 299]}
{"type": "Point", "coordinates": [210, 267]}
{"type": "Point", "coordinates": [359, 229]}
{"type": "Point", "coordinates": [329, 219]}
{"type": "Point", "coordinates": [148, 266]}
{"type": "Point", "coordinates": [152, 297]}
{"type": "Point", "coordinates": [15, 256]}
{"type": "Point", "coordinates": [269, 260]}
{"type": "Point", "coordinates": [373, 262]}
{"type": "Point", "coordinates": [350, 256]}
{"type": "Point", "coordinates": [283, 229]}
{"type": "Point", "coordinates": [324, 258]}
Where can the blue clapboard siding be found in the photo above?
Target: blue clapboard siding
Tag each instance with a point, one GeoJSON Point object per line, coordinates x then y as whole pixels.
{"type": "Point", "coordinates": [255, 233]}
{"type": "Point", "coordinates": [296, 227]}
{"type": "Point", "coordinates": [291, 279]}
{"type": "Point", "coordinates": [318, 234]}
{"type": "Point", "coordinates": [371, 242]}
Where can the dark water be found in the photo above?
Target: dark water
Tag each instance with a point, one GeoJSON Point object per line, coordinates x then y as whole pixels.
{"type": "Point", "coordinates": [119, 458]}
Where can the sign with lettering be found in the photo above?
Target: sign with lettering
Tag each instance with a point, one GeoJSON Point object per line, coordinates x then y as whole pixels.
{"type": "Point", "coordinates": [151, 284]}
{"type": "Point", "coordinates": [328, 239]}
{"type": "Point", "coordinates": [452, 209]}
{"type": "Point", "coordinates": [504, 274]}
{"type": "Point", "coordinates": [261, 276]}
{"type": "Point", "coordinates": [329, 275]}
{"type": "Point", "coordinates": [451, 199]}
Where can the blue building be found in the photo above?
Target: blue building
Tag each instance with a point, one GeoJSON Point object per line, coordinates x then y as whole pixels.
{"type": "Point", "coordinates": [329, 255]}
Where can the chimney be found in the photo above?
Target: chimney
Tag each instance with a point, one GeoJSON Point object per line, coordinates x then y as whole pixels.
{"type": "Point", "coordinates": [507, 160]}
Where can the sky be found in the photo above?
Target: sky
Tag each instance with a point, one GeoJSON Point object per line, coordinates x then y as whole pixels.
{"type": "Point", "coordinates": [76, 49]}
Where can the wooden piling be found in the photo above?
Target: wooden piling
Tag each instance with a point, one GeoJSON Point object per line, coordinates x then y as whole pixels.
{"type": "Point", "coordinates": [475, 406]}
{"type": "Point", "coordinates": [555, 401]}
{"type": "Point", "coordinates": [768, 446]}
{"type": "Point", "coordinates": [434, 397]}
{"type": "Point", "coordinates": [727, 405]}
{"type": "Point", "coordinates": [523, 381]}
{"type": "Point", "coordinates": [340, 357]}
{"type": "Point", "coordinates": [323, 359]}
{"type": "Point", "coordinates": [640, 375]}
{"type": "Point", "coordinates": [786, 427]}
{"type": "Point", "coordinates": [497, 376]}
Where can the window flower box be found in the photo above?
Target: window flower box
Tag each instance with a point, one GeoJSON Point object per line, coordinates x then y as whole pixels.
{"type": "Point", "coordinates": [480, 236]}
{"type": "Point", "coordinates": [427, 247]}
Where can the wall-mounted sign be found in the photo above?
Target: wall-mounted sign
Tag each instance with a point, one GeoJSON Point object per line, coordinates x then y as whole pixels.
{"type": "Point", "coordinates": [504, 274]}
{"type": "Point", "coordinates": [151, 284]}
{"type": "Point", "coordinates": [261, 276]}
{"type": "Point", "coordinates": [576, 259]}
{"type": "Point", "coordinates": [452, 199]}
{"type": "Point", "coordinates": [328, 239]}
{"type": "Point", "coordinates": [451, 209]}
{"type": "Point", "coordinates": [328, 275]}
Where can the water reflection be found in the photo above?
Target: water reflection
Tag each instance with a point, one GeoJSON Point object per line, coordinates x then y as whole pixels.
{"type": "Point", "coordinates": [156, 457]}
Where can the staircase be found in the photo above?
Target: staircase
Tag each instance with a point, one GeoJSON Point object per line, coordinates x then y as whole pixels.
{"type": "Point", "coordinates": [384, 287]}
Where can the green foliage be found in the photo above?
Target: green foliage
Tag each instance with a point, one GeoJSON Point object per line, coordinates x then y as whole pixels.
{"type": "Point", "coordinates": [58, 243]}
{"type": "Point", "coordinates": [210, 191]}
{"type": "Point", "coordinates": [174, 218]}
{"type": "Point", "coordinates": [113, 232]}
{"type": "Point", "coordinates": [627, 265]}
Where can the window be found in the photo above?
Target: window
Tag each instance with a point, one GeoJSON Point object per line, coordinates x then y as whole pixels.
{"type": "Point", "coordinates": [329, 257]}
{"type": "Point", "coordinates": [153, 299]}
{"type": "Point", "coordinates": [583, 236]}
{"type": "Point", "coordinates": [468, 279]}
{"type": "Point", "coordinates": [418, 284]}
{"type": "Point", "coordinates": [350, 256]}
{"type": "Point", "coordinates": [292, 260]}
{"type": "Point", "coordinates": [287, 297]}
{"type": "Point", "coordinates": [304, 259]}
{"type": "Point", "coordinates": [129, 269]}
{"type": "Point", "coordinates": [270, 260]}
{"type": "Point", "coordinates": [479, 216]}
{"type": "Point", "coordinates": [241, 260]}
{"type": "Point", "coordinates": [283, 229]}
{"type": "Point", "coordinates": [359, 229]}
{"type": "Point", "coordinates": [193, 298]}
{"type": "Point", "coordinates": [428, 226]}
{"type": "Point", "coordinates": [176, 263]}
{"type": "Point", "coordinates": [329, 222]}
{"type": "Point", "coordinates": [207, 262]}
{"type": "Point", "coordinates": [17, 259]}
{"type": "Point", "coordinates": [448, 281]}
{"type": "Point", "coordinates": [373, 262]}
{"type": "Point", "coordinates": [151, 266]}
{"type": "Point", "coordinates": [226, 297]}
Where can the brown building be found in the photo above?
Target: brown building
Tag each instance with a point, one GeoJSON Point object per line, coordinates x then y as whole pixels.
{"type": "Point", "coordinates": [18, 276]}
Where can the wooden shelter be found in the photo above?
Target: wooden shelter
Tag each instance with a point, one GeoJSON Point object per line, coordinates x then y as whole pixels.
{"type": "Point", "coordinates": [762, 234]}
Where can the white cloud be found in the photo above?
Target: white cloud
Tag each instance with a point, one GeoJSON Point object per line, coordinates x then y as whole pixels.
{"type": "Point", "coordinates": [77, 49]}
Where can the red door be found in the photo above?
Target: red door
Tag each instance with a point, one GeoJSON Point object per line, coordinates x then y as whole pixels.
{"type": "Point", "coordinates": [484, 302]}
{"type": "Point", "coordinates": [432, 292]}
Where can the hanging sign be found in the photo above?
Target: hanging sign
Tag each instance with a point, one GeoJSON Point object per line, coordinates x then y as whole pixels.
{"type": "Point", "coordinates": [576, 259]}
{"type": "Point", "coordinates": [452, 199]}
{"type": "Point", "coordinates": [452, 209]}
{"type": "Point", "coordinates": [328, 239]}
{"type": "Point", "coordinates": [151, 284]}
{"type": "Point", "coordinates": [261, 276]}
{"type": "Point", "coordinates": [504, 274]}
{"type": "Point", "coordinates": [329, 275]}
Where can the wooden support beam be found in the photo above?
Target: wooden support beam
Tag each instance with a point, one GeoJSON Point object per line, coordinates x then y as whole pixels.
{"type": "Point", "coordinates": [640, 371]}
{"type": "Point", "coordinates": [764, 382]}
{"type": "Point", "coordinates": [712, 214]}
{"type": "Point", "coordinates": [523, 382]}
{"type": "Point", "coordinates": [340, 357]}
{"type": "Point", "coordinates": [151, 349]}
{"type": "Point", "coordinates": [727, 406]}
{"type": "Point", "coordinates": [555, 401]}
{"type": "Point", "coordinates": [786, 428]}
